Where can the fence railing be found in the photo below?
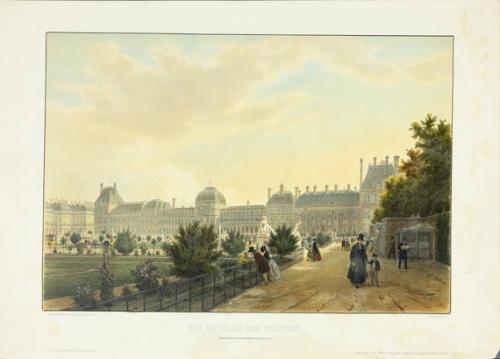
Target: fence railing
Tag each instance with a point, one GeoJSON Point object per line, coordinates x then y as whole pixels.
{"type": "Point", "coordinates": [198, 294]}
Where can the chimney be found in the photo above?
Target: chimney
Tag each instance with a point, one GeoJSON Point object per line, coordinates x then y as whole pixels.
{"type": "Point", "coordinates": [360, 172]}
{"type": "Point", "coordinates": [314, 188]}
{"type": "Point", "coordinates": [336, 187]}
{"type": "Point", "coordinates": [326, 188]}
{"type": "Point", "coordinates": [173, 202]}
{"type": "Point", "coordinates": [114, 186]}
{"type": "Point", "coordinates": [268, 193]}
{"type": "Point", "coordinates": [296, 192]}
{"type": "Point", "coordinates": [307, 189]}
{"type": "Point", "coordinates": [386, 160]}
{"type": "Point", "coordinates": [396, 163]}
{"type": "Point", "coordinates": [281, 188]}
{"type": "Point", "coordinates": [348, 186]}
{"type": "Point", "coordinates": [374, 160]}
{"type": "Point", "coordinates": [102, 187]}
{"type": "Point", "coordinates": [248, 203]}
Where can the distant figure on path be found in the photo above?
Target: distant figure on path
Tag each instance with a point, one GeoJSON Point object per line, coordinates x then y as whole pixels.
{"type": "Point", "coordinates": [274, 270]}
{"type": "Point", "coordinates": [309, 255]}
{"type": "Point", "coordinates": [403, 254]}
{"type": "Point", "coordinates": [316, 256]}
{"type": "Point", "coordinates": [392, 249]}
{"type": "Point", "coordinates": [374, 269]}
{"type": "Point", "coordinates": [357, 268]}
{"type": "Point", "coordinates": [346, 246]}
{"type": "Point", "coordinates": [262, 265]}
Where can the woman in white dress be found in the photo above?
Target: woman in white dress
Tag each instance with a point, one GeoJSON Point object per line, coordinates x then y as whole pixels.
{"type": "Point", "coordinates": [274, 273]}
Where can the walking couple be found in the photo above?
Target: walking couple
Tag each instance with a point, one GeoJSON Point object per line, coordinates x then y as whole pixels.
{"type": "Point", "coordinates": [266, 265]}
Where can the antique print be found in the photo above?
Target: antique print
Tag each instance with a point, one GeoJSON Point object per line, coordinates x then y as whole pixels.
{"type": "Point", "coordinates": [247, 173]}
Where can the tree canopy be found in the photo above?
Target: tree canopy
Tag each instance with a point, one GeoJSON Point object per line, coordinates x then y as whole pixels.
{"type": "Point", "coordinates": [195, 250]}
{"type": "Point", "coordinates": [283, 240]}
{"type": "Point", "coordinates": [125, 242]}
{"type": "Point", "coordinates": [423, 186]}
{"type": "Point", "coordinates": [234, 244]}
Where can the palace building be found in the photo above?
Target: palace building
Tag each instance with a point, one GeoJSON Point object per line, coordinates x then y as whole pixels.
{"type": "Point", "coordinates": [342, 211]}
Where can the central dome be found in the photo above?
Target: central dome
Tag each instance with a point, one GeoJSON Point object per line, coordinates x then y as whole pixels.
{"type": "Point", "coordinates": [210, 195]}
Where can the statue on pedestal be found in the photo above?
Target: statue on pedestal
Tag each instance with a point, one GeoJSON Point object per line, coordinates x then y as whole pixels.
{"type": "Point", "coordinates": [265, 231]}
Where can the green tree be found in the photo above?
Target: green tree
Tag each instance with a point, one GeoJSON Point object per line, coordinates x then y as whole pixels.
{"type": "Point", "coordinates": [423, 186]}
{"type": "Point", "coordinates": [144, 248]}
{"type": "Point", "coordinates": [234, 244]}
{"type": "Point", "coordinates": [75, 238]}
{"type": "Point", "coordinates": [125, 242]}
{"type": "Point", "coordinates": [443, 238]}
{"type": "Point", "coordinates": [195, 250]}
{"type": "Point", "coordinates": [433, 139]}
{"type": "Point", "coordinates": [107, 282]}
{"type": "Point", "coordinates": [322, 239]}
{"type": "Point", "coordinates": [283, 240]}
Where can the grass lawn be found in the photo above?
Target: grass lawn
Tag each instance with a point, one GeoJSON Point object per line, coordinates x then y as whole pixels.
{"type": "Point", "coordinates": [62, 274]}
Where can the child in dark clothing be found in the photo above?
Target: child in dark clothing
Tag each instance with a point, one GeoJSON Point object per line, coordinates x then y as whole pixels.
{"type": "Point", "coordinates": [374, 269]}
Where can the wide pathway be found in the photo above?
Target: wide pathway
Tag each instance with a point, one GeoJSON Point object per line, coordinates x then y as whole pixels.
{"type": "Point", "coordinates": [323, 287]}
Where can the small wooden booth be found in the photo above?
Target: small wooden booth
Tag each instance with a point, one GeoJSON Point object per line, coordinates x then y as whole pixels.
{"type": "Point", "coordinates": [421, 239]}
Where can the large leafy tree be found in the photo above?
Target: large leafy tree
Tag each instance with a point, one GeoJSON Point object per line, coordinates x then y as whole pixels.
{"type": "Point", "coordinates": [234, 244]}
{"type": "Point", "coordinates": [125, 242]}
{"type": "Point", "coordinates": [195, 250]}
{"type": "Point", "coordinates": [433, 139]}
{"type": "Point", "coordinates": [283, 240]}
{"type": "Point", "coordinates": [423, 185]}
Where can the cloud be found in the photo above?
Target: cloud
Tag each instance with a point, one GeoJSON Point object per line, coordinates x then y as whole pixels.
{"type": "Point", "coordinates": [132, 116]}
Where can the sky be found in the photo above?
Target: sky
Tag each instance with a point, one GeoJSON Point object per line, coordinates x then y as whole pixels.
{"type": "Point", "coordinates": [164, 116]}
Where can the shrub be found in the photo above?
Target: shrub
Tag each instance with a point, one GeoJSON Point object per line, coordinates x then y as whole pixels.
{"type": "Point", "coordinates": [127, 289]}
{"type": "Point", "coordinates": [144, 249]}
{"type": "Point", "coordinates": [84, 296]}
{"type": "Point", "coordinates": [234, 244]}
{"type": "Point", "coordinates": [443, 238]}
{"type": "Point", "coordinates": [136, 253]}
{"type": "Point", "coordinates": [107, 281]}
{"type": "Point", "coordinates": [283, 240]}
{"type": "Point", "coordinates": [195, 251]}
{"type": "Point", "coordinates": [125, 243]}
{"type": "Point", "coordinates": [75, 238]}
{"type": "Point", "coordinates": [322, 239]}
{"type": "Point", "coordinates": [146, 275]}
{"type": "Point", "coordinates": [157, 253]}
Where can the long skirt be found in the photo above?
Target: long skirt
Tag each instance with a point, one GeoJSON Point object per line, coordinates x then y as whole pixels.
{"type": "Point", "coordinates": [274, 273]}
{"type": "Point", "coordinates": [357, 271]}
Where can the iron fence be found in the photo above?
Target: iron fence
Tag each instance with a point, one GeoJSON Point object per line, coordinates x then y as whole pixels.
{"type": "Point", "coordinates": [198, 294]}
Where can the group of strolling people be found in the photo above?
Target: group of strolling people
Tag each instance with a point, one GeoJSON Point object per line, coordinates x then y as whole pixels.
{"type": "Point", "coordinates": [360, 267]}
{"type": "Point", "coordinates": [266, 265]}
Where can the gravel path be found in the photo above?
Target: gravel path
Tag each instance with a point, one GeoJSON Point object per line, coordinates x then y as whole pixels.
{"type": "Point", "coordinates": [323, 287]}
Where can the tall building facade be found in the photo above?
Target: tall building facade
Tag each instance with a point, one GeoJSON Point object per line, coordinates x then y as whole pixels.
{"type": "Point", "coordinates": [342, 211]}
{"type": "Point", "coordinates": [61, 217]}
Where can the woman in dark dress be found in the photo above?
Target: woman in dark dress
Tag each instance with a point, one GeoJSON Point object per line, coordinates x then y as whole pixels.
{"type": "Point", "coordinates": [316, 256]}
{"type": "Point", "coordinates": [357, 269]}
{"type": "Point", "coordinates": [262, 264]}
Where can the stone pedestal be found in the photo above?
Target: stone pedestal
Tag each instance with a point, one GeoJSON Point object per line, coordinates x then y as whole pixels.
{"type": "Point", "coordinates": [261, 239]}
